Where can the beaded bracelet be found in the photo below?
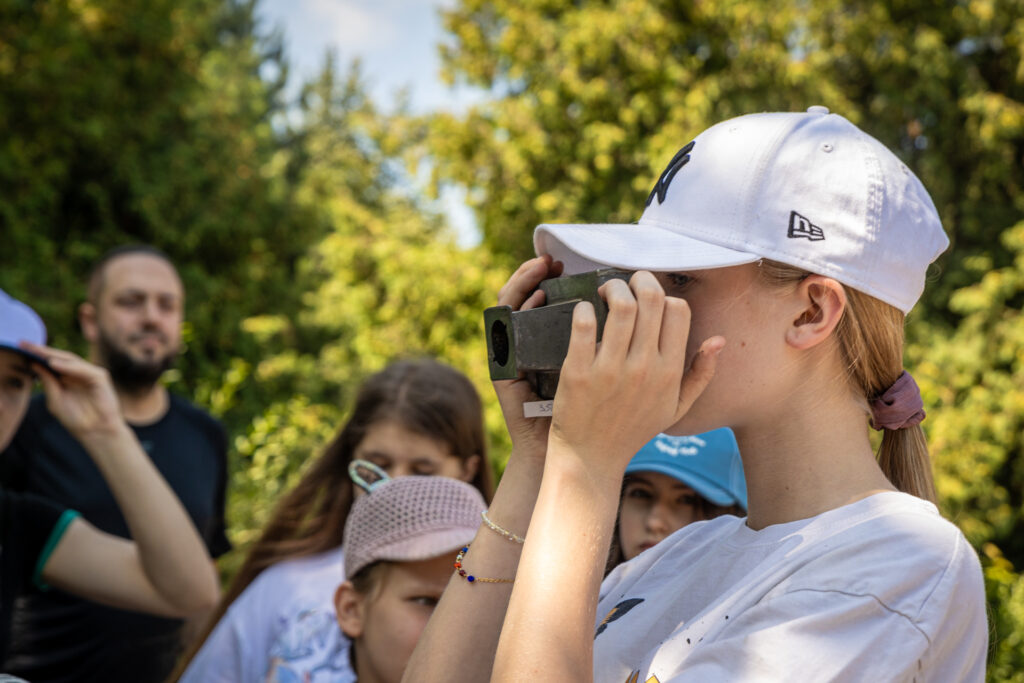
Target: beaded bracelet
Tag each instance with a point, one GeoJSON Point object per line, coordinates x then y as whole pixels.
{"type": "Point", "coordinates": [504, 532]}
{"type": "Point", "coordinates": [469, 577]}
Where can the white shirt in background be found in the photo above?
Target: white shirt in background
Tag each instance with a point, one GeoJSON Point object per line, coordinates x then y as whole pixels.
{"type": "Point", "coordinates": [281, 628]}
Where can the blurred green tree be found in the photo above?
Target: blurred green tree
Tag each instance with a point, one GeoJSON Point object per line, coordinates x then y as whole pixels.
{"type": "Point", "coordinates": [156, 122]}
{"type": "Point", "coordinates": [387, 281]}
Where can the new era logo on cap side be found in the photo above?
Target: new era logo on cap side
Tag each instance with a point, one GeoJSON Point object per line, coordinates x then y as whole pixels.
{"type": "Point", "coordinates": [661, 187]}
{"type": "Point", "coordinates": [802, 227]}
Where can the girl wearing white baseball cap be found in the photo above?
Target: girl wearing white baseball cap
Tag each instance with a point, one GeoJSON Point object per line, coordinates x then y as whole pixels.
{"type": "Point", "coordinates": [776, 259]}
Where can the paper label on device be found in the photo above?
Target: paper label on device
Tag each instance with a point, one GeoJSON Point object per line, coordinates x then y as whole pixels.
{"type": "Point", "coordinates": [538, 408]}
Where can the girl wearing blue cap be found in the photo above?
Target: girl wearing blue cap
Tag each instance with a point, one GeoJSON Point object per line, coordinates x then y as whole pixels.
{"type": "Point", "coordinates": [674, 481]}
{"type": "Point", "coordinates": [165, 570]}
{"type": "Point", "coordinates": [776, 260]}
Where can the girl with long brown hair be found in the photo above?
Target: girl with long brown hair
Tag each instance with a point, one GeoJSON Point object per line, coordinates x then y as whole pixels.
{"type": "Point", "coordinates": [414, 417]}
{"type": "Point", "coordinates": [775, 262]}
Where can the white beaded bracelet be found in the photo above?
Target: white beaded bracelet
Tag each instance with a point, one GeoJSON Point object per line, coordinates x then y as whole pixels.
{"type": "Point", "coordinates": [497, 529]}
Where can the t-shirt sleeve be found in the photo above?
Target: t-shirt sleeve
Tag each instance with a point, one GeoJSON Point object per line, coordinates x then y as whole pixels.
{"type": "Point", "coordinates": [34, 527]}
{"type": "Point", "coordinates": [236, 648]}
{"type": "Point", "coordinates": [217, 541]}
{"type": "Point", "coordinates": [224, 656]}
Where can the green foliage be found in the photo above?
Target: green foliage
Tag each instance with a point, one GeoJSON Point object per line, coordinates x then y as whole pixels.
{"type": "Point", "coordinates": [387, 281]}
{"type": "Point", "coordinates": [974, 378]}
{"type": "Point", "coordinates": [147, 122]}
{"type": "Point", "coordinates": [1005, 588]}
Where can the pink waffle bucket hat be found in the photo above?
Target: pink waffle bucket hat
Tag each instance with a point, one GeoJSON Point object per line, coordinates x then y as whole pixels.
{"type": "Point", "coordinates": [410, 518]}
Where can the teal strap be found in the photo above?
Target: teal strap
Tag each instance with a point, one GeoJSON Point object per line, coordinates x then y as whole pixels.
{"type": "Point", "coordinates": [59, 528]}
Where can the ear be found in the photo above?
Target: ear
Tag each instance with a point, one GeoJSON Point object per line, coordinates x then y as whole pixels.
{"type": "Point", "coordinates": [821, 302]}
{"type": "Point", "coordinates": [470, 466]}
{"type": "Point", "coordinates": [349, 608]}
{"type": "Point", "coordinates": [87, 321]}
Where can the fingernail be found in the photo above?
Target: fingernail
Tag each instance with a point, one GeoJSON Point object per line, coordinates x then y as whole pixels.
{"type": "Point", "coordinates": [714, 345]}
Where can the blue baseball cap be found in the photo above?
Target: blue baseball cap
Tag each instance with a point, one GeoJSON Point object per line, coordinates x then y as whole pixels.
{"type": "Point", "coordinates": [709, 463]}
{"type": "Point", "coordinates": [20, 323]}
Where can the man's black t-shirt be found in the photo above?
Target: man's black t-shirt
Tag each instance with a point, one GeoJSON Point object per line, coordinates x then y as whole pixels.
{"type": "Point", "coordinates": [29, 530]}
{"type": "Point", "coordinates": [59, 637]}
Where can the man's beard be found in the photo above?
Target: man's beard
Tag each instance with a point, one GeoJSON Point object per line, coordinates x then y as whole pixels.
{"type": "Point", "coordinates": [128, 374]}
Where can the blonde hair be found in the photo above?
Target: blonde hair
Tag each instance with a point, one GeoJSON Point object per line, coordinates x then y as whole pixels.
{"type": "Point", "coordinates": [870, 338]}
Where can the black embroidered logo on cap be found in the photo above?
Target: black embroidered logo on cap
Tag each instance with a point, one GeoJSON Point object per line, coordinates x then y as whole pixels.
{"type": "Point", "coordinates": [661, 187]}
{"type": "Point", "coordinates": [802, 227]}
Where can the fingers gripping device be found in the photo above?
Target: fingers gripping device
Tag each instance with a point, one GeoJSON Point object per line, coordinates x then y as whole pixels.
{"type": "Point", "coordinates": [533, 343]}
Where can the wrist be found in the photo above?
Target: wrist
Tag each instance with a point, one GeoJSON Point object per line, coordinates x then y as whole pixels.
{"type": "Point", "coordinates": [103, 436]}
{"type": "Point", "coordinates": [571, 466]}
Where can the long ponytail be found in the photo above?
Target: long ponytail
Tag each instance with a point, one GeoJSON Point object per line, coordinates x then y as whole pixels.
{"type": "Point", "coordinates": [870, 337]}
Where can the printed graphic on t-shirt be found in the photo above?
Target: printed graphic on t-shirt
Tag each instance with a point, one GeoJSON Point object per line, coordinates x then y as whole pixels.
{"type": "Point", "coordinates": [310, 649]}
{"type": "Point", "coordinates": [617, 612]}
{"type": "Point", "coordinates": [635, 678]}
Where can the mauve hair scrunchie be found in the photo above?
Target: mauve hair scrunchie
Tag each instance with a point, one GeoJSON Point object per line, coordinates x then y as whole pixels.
{"type": "Point", "coordinates": [900, 406]}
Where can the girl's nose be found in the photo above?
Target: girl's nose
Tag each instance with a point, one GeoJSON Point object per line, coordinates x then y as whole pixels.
{"type": "Point", "coordinates": [656, 519]}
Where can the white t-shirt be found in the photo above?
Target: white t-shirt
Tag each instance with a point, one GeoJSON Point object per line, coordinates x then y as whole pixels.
{"type": "Point", "coordinates": [281, 628]}
{"type": "Point", "coordinates": [881, 589]}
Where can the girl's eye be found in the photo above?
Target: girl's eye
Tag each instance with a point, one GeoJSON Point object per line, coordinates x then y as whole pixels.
{"type": "Point", "coordinates": [380, 462]}
{"type": "Point", "coordinates": [638, 493]}
{"type": "Point", "coordinates": [678, 281]}
{"type": "Point", "coordinates": [424, 600]}
{"type": "Point", "coordinates": [689, 499]}
{"type": "Point", "coordinates": [16, 383]}
{"type": "Point", "coordinates": [425, 470]}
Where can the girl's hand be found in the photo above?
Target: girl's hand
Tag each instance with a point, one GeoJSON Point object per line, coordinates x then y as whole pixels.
{"type": "Point", "coordinates": [529, 435]}
{"type": "Point", "coordinates": [83, 398]}
{"type": "Point", "coordinates": [615, 397]}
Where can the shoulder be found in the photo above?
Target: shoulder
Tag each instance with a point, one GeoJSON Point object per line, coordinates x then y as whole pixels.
{"type": "Point", "coordinates": [891, 529]}
{"type": "Point", "coordinates": [317, 575]}
{"type": "Point", "coordinates": [269, 604]}
{"type": "Point", "coordinates": [899, 550]}
{"type": "Point", "coordinates": [191, 411]}
{"type": "Point", "coordinates": [202, 420]}
{"type": "Point", "coordinates": [696, 539]}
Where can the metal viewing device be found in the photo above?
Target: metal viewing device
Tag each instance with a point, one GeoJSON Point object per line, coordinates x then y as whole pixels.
{"type": "Point", "coordinates": [535, 342]}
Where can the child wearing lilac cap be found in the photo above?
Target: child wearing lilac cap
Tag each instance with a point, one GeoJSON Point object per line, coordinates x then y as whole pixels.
{"type": "Point", "coordinates": [674, 481]}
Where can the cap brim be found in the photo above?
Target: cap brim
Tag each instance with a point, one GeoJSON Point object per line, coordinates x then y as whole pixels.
{"type": "Point", "coordinates": [699, 484]}
{"type": "Point", "coordinates": [425, 546]}
{"type": "Point", "coordinates": [630, 246]}
{"type": "Point", "coordinates": [29, 355]}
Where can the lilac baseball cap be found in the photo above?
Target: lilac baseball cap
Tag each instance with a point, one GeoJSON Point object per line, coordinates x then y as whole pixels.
{"type": "Point", "coordinates": [410, 518]}
{"type": "Point", "coordinates": [20, 323]}
{"type": "Point", "coordinates": [709, 463]}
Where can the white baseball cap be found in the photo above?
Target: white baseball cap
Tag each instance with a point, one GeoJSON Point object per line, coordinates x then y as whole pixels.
{"type": "Point", "coordinates": [807, 189]}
